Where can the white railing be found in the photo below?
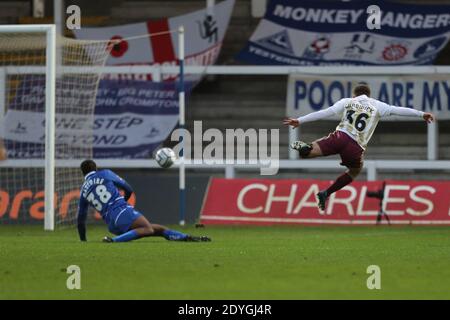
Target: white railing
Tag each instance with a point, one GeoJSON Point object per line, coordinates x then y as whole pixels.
{"type": "Point", "coordinates": [157, 70]}
{"type": "Point", "coordinates": [371, 167]}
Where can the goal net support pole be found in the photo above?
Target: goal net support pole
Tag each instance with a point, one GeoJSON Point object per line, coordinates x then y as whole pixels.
{"type": "Point", "coordinates": [181, 97]}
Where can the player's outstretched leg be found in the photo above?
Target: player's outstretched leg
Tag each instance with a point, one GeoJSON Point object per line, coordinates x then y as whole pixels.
{"type": "Point", "coordinates": [307, 150]}
{"type": "Point", "coordinates": [173, 235]}
{"type": "Point", "coordinates": [343, 180]}
{"type": "Point", "coordinates": [141, 227]}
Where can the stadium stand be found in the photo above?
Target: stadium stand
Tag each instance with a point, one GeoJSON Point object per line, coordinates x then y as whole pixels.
{"type": "Point", "coordinates": [259, 102]}
{"type": "Point", "coordinates": [10, 11]}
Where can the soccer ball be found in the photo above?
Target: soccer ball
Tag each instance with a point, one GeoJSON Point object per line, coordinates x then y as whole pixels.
{"type": "Point", "coordinates": [165, 157]}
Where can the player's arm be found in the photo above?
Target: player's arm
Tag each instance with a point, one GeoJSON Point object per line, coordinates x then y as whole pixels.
{"type": "Point", "coordinates": [81, 218]}
{"type": "Point", "coordinates": [406, 112]}
{"type": "Point", "coordinates": [122, 184]}
{"type": "Point", "coordinates": [335, 109]}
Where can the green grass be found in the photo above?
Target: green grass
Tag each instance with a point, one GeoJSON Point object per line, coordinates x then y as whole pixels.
{"type": "Point", "coordinates": [240, 263]}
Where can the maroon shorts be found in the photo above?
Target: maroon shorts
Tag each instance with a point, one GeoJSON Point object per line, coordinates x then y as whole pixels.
{"type": "Point", "coordinates": [340, 143]}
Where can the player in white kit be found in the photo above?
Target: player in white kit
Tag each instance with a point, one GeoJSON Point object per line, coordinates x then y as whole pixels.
{"type": "Point", "coordinates": [359, 118]}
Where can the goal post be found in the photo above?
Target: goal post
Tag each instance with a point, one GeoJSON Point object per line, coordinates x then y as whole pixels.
{"type": "Point", "coordinates": [50, 95]}
{"type": "Point", "coordinates": [48, 87]}
{"type": "Point", "coordinates": [182, 120]}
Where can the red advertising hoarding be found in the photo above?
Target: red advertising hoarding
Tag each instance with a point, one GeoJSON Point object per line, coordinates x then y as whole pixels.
{"type": "Point", "coordinates": [291, 201]}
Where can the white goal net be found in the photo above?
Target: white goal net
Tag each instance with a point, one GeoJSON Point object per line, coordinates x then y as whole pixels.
{"type": "Point", "coordinates": [23, 111]}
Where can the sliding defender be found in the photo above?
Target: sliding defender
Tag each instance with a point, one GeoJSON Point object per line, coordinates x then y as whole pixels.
{"type": "Point", "coordinates": [359, 118]}
{"type": "Point", "coordinates": [101, 191]}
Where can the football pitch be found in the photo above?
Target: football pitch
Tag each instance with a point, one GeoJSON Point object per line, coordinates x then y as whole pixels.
{"type": "Point", "coordinates": [241, 263]}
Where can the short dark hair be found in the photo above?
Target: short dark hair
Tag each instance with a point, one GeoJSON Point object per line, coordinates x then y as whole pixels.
{"type": "Point", "coordinates": [88, 166]}
{"type": "Point", "coordinates": [361, 89]}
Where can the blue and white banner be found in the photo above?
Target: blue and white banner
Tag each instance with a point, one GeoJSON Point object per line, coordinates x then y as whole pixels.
{"type": "Point", "coordinates": [131, 119]}
{"type": "Point", "coordinates": [336, 33]}
{"type": "Point", "coordinates": [137, 116]}
{"type": "Point", "coordinates": [133, 115]}
{"type": "Point", "coordinates": [426, 93]}
{"type": "Point", "coordinates": [147, 112]}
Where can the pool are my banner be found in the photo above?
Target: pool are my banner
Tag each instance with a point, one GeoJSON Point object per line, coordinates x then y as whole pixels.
{"type": "Point", "coordinates": [431, 93]}
{"type": "Point", "coordinates": [335, 33]}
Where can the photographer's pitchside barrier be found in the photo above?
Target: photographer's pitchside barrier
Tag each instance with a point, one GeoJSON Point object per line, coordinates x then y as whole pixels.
{"type": "Point", "coordinates": [290, 201]}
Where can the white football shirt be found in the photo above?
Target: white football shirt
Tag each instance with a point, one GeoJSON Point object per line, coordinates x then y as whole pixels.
{"type": "Point", "coordinates": [360, 116]}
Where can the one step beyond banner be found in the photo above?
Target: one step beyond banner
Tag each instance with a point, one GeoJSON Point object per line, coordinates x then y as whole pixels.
{"type": "Point", "coordinates": [336, 33]}
{"type": "Point", "coordinates": [131, 119]}
{"type": "Point", "coordinates": [145, 112]}
{"type": "Point", "coordinates": [133, 115]}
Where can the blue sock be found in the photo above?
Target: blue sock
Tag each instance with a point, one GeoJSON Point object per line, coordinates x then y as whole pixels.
{"type": "Point", "coordinates": [174, 235]}
{"type": "Point", "coordinates": [127, 236]}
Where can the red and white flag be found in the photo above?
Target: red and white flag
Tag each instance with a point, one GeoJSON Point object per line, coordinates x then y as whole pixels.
{"type": "Point", "coordinates": [203, 38]}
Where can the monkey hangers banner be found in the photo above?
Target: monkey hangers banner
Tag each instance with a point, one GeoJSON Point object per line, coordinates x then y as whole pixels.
{"type": "Point", "coordinates": [354, 33]}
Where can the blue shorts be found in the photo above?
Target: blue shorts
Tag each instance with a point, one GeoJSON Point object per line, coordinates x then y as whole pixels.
{"type": "Point", "coordinates": [121, 219]}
